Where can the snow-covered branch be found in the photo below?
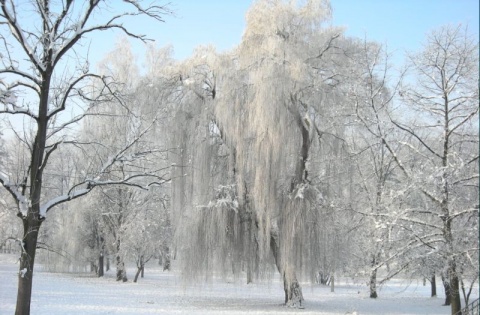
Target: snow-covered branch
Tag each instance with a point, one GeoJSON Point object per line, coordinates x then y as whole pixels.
{"type": "Point", "coordinates": [17, 191]}
{"type": "Point", "coordinates": [11, 70]}
{"type": "Point", "coordinates": [153, 11]}
{"type": "Point", "coordinates": [414, 134]}
{"type": "Point", "coordinates": [69, 89]}
{"type": "Point", "coordinates": [10, 18]}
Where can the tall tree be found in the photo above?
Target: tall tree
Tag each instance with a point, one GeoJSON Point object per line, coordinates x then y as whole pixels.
{"type": "Point", "coordinates": [256, 118]}
{"type": "Point", "coordinates": [45, 34]}
{"type": "Point", "coordinates": [375, 167]}
{"type": "Point", "coordinates": [443, 161]}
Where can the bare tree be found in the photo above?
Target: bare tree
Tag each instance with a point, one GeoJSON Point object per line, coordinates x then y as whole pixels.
{"type": "Point", "coordinates": [443, 163]}
{"type": "Point", "coordinates": [39, 86]}
{"type": "Point", "coordinates": [375, 167]}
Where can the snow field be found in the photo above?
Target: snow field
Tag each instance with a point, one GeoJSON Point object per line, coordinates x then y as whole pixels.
{"type": "Point", "coordinates": [165, 293]}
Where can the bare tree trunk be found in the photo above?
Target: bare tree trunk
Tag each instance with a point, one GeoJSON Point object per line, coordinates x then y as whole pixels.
{"type": "Point", "coordinates": [293, 291]}
{"type": "Point", "coordinates": [446, 286]}
{"type": "Point", "coordinates": [332, 283]}
{"type": "Point", "coordinates": [166, 260]}
{"type": "Point", "coordinates": [139, 270]}
{"type": "Point", "coordinates": [456, 304]}
{"type": "Point", "coordinates": [32, 221]}
{"type": "Point", "coordinates": [291, 286]}
{"type": "Point", "coordinates": [31, 226]}
{"type": "Point", "coordinates": [373, 279]}
{"type": "Point", "coordinates": [433, 284]}
{"type": "Point", "coordinates": [121, 272]}
{"type": "Point", "coordinates": [100, 265]}
{"type": "Point", "coordinates": [373, 284]}
{"type": "Point", "coordinates": [452, 276]}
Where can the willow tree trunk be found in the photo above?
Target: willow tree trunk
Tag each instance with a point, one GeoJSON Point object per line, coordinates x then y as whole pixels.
{"type": "Point", "coordinates": [291, 286]}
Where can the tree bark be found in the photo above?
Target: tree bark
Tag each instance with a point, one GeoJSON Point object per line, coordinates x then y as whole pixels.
{"type": "Point", "coordinates": [373, 284]}
{"type": "Point", "coordinates": [332, 283]}
{"type": "Point", "coordinates": [31, 226]}
{"type": "Point", "coordinates": [433, 284]}
{"type": "Point", "coordinates": [100, 265]}
{"type": "Point", "coordinates": [456, 304]}
{"type": "Point", "coordinates": [446, 286]}
{"type": "Point", "coordinates": [121, 272]}
{"type": "Point", "coordinates": [291, 286]}
{"type": "Point", "coordinates": [373, 279]}
{"type": "Point", "coordinates": [139, 270]}
{"type": "Point", "coordinates": [166, 260]}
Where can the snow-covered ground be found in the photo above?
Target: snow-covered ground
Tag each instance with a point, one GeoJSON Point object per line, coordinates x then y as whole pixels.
{"type": "Point", "coordinates": [165, 293]}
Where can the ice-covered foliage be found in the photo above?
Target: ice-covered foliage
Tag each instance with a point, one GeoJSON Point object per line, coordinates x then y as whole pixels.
{"type": "Point", "coordinates": [272, 103]}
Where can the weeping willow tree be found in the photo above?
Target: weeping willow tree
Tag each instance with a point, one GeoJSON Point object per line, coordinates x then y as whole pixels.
{"type": "Point", "coordinates": [251, 126]}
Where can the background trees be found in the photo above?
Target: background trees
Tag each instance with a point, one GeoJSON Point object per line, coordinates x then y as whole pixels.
{"type": "Point", "coordinates": [40, 87]}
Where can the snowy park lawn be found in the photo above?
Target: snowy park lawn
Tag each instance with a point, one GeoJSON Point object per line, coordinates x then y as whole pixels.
{"type": "Point", "coordinates": [165, 293]}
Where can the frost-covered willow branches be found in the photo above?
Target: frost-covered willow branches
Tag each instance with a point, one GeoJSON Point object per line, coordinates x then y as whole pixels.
{"type": "Point", "coordinates": [259, 135]}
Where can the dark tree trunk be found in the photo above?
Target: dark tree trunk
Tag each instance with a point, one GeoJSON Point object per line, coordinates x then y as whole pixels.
{"type": "Point", "coordinates": [452, 277]}
{"type": "Point", "coordinates": [332, 283]}
{"type": "Point", "coordinates": [433, 284]}
{"type": "Point", "coordinates": [446, 286]}
{"type": "Point", "coordinates": [31, 226]}
{"type": "Point", "coordinates": [373, 279]}
{"type": "Point", "coordinates": [100, 265]}
{"type": "Point", "coordinates": [139, 270]}
{"type": "Point", "coordinates": [455, 292]}
{"type": "Point", "coordinates": [166, 258]}
{"type": "Point", "coordinates": [108, 264]}
{"type": "Point", "coordinates": [373, 284]}
{"type": "Point", "coordinates": [142, 274]}
{"type": "Point", "coordinates": [121, 272]}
